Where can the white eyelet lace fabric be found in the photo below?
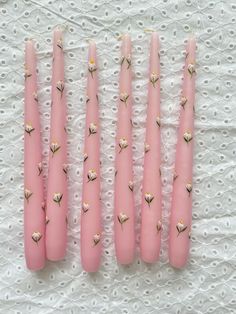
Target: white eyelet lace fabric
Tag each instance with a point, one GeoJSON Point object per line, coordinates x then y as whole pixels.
{"type": "Point", "coordinates": [207, 284]}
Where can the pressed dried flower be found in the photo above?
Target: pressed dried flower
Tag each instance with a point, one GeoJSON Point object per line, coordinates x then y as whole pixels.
{"type": "Point", "coordinates": [123, 143]}
{"type": "Point", "coordinates": [85, 207]}
{"type": "Point", "coordinates": [54, 147]}
{"type": "Point", "coordinates": [148, 198]}
{"type": "Point", "coordinates": [154, 77]}
{"type": "Point", "coordinates": [92, 175]}
{"type": "Point", "coordinates": [146, 148]}
{"type": "Point", "coordinates": [122, 218]}
{"type": "Point", "coordinates": [29, 128]}
{"type": "Point", "coordinates": [159, 226]}
{"type": "Point", "coordinates": [181, 227]}
{"type": "Point", "coordinates": [60, 87]}
{"type": "Point", "coordinates": [92, 128]}
{"type": "Point", "coordinates": [189, 188]}
{"type": "Point", "coordinates": [96, 238]}
{"type": "Point", "coordinates": [158, 121]}
{"type": "Point", "coordinates": [183, 101]}
{"type": "Point", "coordinates": [27, 73]}
{"type": "Point", "coordinates": [36, 236]}
{"type": "Point", "coordinates": [188, 136]}
{"type": "Point", "coordinates": [124, 97]}
{"type": "Point", "coordinates": [92, 67]}
{"type": "Point", "coordinates": [43, 206]}
{"type": "Point", "coordinates": [131, 186]}
{"type": "Point", "coordinates": [35, 96]}
{"type": "Point", "coordinates": [85, 156]}
{"type": "Point", "coordinates": [65, 169]}
{"type": "Point", "coordinates": [191, 69]}
{"type": "Point", "coordinates": [60, 44]}
{"type": "Point", "coordinates": [40, 168]}
{"type": "Point", "coordinates": [57, 197]}
{"type": "Point", "coordinates": [28, 194]}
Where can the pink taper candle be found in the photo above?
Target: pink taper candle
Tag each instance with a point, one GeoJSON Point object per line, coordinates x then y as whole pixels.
{"type": "Point", "coordinates": [34, 209]}
{"type": "Point", "coordinates": [181, 210]}
{"type": "Point", "coordinates": [91, 247]}
{"type": "Point", "coordinates": [56, 227]}
{"type": "Point", "coordinates": [124, 214]}
{"type": "Point", "coordinates": [151, 224]}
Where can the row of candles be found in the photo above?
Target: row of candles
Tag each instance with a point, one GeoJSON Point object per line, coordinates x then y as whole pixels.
{"type": "Point", "coordinates": [45, 223]}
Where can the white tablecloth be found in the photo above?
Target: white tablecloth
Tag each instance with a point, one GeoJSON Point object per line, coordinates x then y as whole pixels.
{"type": "Point", "coordinates": [207, 284]}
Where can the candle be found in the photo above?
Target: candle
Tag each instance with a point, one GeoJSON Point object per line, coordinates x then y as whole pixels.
{"type": "Point", "coordinates": [124, 217]}
{"type": "Point", "coordinates": [181, 209]}
{"type": "Point", "coordinates": [56, 227]}
{"type": "Point", "coordinates": [91, 247]}
{"type": "Point", "coordinates": [151, 224]}
{"type": "Point", "coordinates": [34, 214]}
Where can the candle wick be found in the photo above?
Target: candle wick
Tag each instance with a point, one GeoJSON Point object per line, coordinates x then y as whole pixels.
{"type": "Point", "coordinates": [148, 30]}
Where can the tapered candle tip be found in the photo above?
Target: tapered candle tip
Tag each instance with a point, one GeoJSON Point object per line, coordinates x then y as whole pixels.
{"type": "Point", "coordinates": [126, 44]}
{"type": "Point", "coordinates": [30, 41]}
{"type": "Point", "coordinates": [92, 43]}
{"type": "Point", "coordinates": [192, 38]}
{"type": "Point", "coordinates": [58, 28]}
{"type": "Point", "coordinates": [58, 31]}
{"type": "Point", "coordinates": [155, 37]}
{"type": "Point", "coordinates": [126, 37]}
{"type": "Point", "coordinates": [29, 45]}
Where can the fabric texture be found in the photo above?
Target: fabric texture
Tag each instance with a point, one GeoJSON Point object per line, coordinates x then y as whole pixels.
{"type": "Point", "coordinates": [207, 284]}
